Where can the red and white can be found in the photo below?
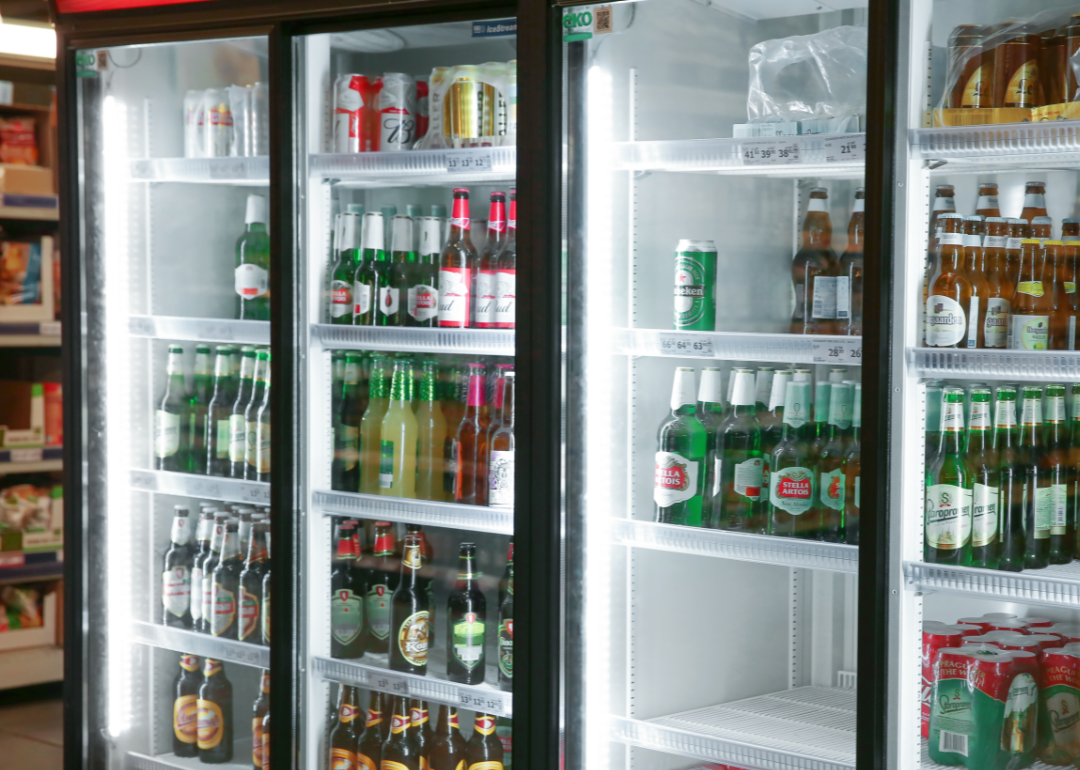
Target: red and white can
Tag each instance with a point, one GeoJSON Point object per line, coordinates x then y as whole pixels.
{"type": "Point", "coordinates": [1017, 625]}
{"type": "Point", "coordinates": [936, 637]}
{"type": "Point", "coordinates": [397, 112]}
{"type": "Point", "coordinates": [1038, 622]}
{"type": "Point", "coordinates": [356, 111]}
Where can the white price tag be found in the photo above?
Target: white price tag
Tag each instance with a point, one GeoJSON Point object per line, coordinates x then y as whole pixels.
{"type": "Point", "coordinates": [771, 152]}
{"type": "Point", "coordinates": [686, 344]}
{"type": "Point", "coordinates": [50, 329]}
{"type": "Point", "coordinates": [390, 683]}
{"type": "Point", "coordinates": [25, 455]}
{"type": "Point", "coordinates": [475, 161]}
{"type": "Point", "coordinates": [838, 352]}
{"type": "Point", "coordinates": [208, 330]}
{"type": "Point", "coordinates": [487, 703]}
{"type": "Point", "coordinates": [242, 652]}
{"type": "Point", "coordinates": [844, 147]}
{"type": "Point", "coordinates": [257, 492]}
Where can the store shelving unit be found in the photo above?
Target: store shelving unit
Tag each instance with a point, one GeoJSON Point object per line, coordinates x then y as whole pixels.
{"type": "Point", "coordinates": [16, 566]}
{"type": "Point", "coordinates": [476, 518]}
{"type": "Point", "coordinates": [200, 329]}
{"type": "Point", "coordinates": [741, 346]}
{"type": "Point", "coordinates": [31, 460]}
{"type": "Point", "coordinates": [1056, 585]}
{"type": "Point", "coordinates": [241, 760]}
{"type": "Point", "coordinates": [206, 487]}
{"type": "Point", "coordinates": [489, 342]}
{"type": "Point", "coordinates": [203, 645]}
{"type": "Point", "coordinates": [1049, 144]}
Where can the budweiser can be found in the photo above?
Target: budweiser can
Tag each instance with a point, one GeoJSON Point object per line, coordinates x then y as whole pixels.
{"type": "Point", "coordinates": [397, 112]}
{"type": "Point", "coordinates": [192, 119]}
{"type": "Point", "coordinates": [421, 108]}
{"type": "Point", "coordinates": [936, 637]}
{"type": "Point", "coordinates": [356, 126]}
{"type": "Point", "coordinates": [1061, 707]}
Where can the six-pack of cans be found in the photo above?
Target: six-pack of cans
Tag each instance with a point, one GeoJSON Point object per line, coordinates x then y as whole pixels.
{"type": "Point", "coordinates": [227, 122]}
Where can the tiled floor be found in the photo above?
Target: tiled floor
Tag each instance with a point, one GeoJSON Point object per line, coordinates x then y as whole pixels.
{"type": "Point", "coordinates": [32, 735]}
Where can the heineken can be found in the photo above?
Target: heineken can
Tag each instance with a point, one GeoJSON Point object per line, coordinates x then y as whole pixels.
{"type": "Point", "coordinates": [695, 285]}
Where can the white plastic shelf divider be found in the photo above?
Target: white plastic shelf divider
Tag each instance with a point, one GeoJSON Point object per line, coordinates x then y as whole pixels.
{"type": "Point", "coordinates": [1039, 365]}
{"type": "Point", "coordinates": [785, 551]}
{"type": "Point", "coordinates": [725, 156]}
{"type": "Point", "coordinates": [1057, 585]}
{"type": "Point", "coordinates": [203, 645]}
{"type": "Point", "coordinates": [373, 673]}
{"type": "Point", "coordinates": [166, 327]}
{"type": "Point", "coordinates": [241, 759]}
{"type": "Point", "coordinates": [1054, 143]}
{"type": "Point", "coordinates": [241, 171]}
{"type": "Point", "coordinates": [475, 518]}
{"type": "Point", "coordinates": [488, 342]}
{"type": "Point", "coordinates": [206, 487]}
{"type": "Point", "coordinates": [739, 346]}
{"type": "Point", "coordinates": [412, 167]}
{"type": "Point", "coordinates": [806, 728]}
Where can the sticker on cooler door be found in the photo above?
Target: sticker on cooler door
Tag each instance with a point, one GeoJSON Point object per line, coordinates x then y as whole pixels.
{"type": "Point", "coordinates": [340, 299]}
{"type": "Point", "coordinates": [984, 515]}
{"type": "Point", "coordinates": [945, 321]}
{"type": "Point", "coordinates": [832, 490]}
{"type": "Point", "coordinates": [948, 517]}
{"type": "Point", "coordinates": [675, 479]}
{"type": "Point", "coordinates": [388, 300]}
{"type": "Point", "coordinates": [748, 477]}
{"type": "Point", "coordinates": [454, 296]}
{"type": "Point", "coordinates": [361, 298]}
{"type": "Point", "coordinates": [996, 325]}
{"type": "Point", "coordinates": [423, 302]}
{"type": "Point", "coordinates": [792, 489]}
{"type": "Point", "coordinates": [251, 281]}
{"type": "Point", "coordinates": [1030, 332]}
{"type": "Point", "coordinates": [505, 299]}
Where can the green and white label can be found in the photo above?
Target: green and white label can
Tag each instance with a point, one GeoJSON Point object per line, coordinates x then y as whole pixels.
{"type": "Point", "coordinates": [695, 285]}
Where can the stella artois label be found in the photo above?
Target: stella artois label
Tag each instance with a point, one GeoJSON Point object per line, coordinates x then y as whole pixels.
{"type": "Point", "coordinates": [388, 300]}
{"type": "Point", "coordinates": [675, 479]}
{"type": "Point", "coordinates": [378, 610]}
{"type": "Point", "coordinates": [361, 295]}
{"type": "Point", "coordinates": [792, 489]}
{"type": "Point", "coordinates": [946, 322]}
{"type": "Point", "coordinates": [185, 718]}
{"type": "Point", "coordinates": [423, 302]}
{"type": "Point", "coordinates": [340, 299]}
{"type": "Point", "coordinates": [948, 516]}
{"type": "Point", "coordinates": [413, 638]}
{"type": "Point", "coordinates": [211, 724]}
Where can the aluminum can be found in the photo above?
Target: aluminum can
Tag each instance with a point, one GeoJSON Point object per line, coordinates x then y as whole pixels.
{"type": "Point", "coordinates": [1070, 632]}
{"type": "Point", "coordinates": [1060, 696]}
{"type": "Point", "coordinates": [422, 108]}
{"type": "Point", "coordinates": [260, 119]}
{"type": "Point", "coordinates": [936, 637]}
{"type": "Point", "coordinates": [1017, 625]}
{"type": "Point", "coordinates": [695, 285]}
{"type": "Point", "coordinates": [1035, 622]}
{"type": "Point", "coordinates": [217, 126]}
{"type": "Point", "coordinates": [397, 112]}
{"type": "Point", "coordinates": [356, 102]}
{"type": "Point", "coordinates": [192, 118]}
{"type": "Point", "coordinates": [469, 110]}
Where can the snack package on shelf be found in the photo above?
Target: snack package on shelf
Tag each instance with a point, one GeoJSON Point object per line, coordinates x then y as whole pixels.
{"type": "Point", "coordinates": [18, 144]}
{"type": "Point", "coordinates": [36, 514]}
{"type": "Point", "coordinates": [22, 608]}
{"type": "Point", "coordinates": [20, 273]}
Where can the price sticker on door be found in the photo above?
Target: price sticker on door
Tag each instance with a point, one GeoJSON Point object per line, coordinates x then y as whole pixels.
{"type": "Point", "coordinates": [838, 352]}
{"type": "Point", "coordinates": [774, 152]}
{"type": "Point", "coordinates": [688, 345]}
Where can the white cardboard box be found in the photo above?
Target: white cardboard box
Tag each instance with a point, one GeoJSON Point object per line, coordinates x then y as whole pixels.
{"type": "Point", "coordinates": [33, 637]}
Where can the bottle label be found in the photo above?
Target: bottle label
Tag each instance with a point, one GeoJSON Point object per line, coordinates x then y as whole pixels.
{"type": "Point", "coordinates": [378, 611]}
{"type": "Point", "coordinates": [980, 414]}
{"type": "Point", "coordinates": [211, 724]}
{"type": "Point", "coordinates": [262, 448]}
{"type": "Point", "coordinates": [506, 648]}
{"type": "Point", "coordinates": [748, 477]}
{"type": "Point", "coordinates": [675, 479]}
{"type": "Point", "coordinates": [361, 298]}
{"type": "Point", "coordinates": [251, 281]}
{"type": "Point", "coordinates": [341, 301]}
{"type": "Point", "coordinates": [485, 299]}
{"type": "Point", "coordinates": [691, 293]}
{"type": "Point", "coordinates": [1044, 511]}
{"type": "Point", "coordinates": [468, 641]}
{"type": "Point", "coordinates": [348, 446]}
{"type": "Point", "coordinates": [945, 321]}
{"type": "Point", "coordinates": [413, 638]}
{"type": "Point", "coordinates": [251, 443]}
{"type": "Point", "coordinates": [249, 614]}
{"type": "Point", "coordinates": [792, 489]}
{"type": "Point", "coordinates": [423, 302]}
{"type": "Point", "coordinates": [346, 616]}
{"type": "Point", "coordinates": [985, 201]}
{"type": "Point", "coordinates": [223, 604]}
{"type": "Point", "coordinates": [186, 718]}
{"type": "Point", "coordinates": [388, 300]}
{"type": "Point", "coordinates": [506, 299]}
{"type": "Point", "coordinates": [857, 485]}
{"type": "Point", "coordinates": [984, 515]}
{"type": "Point", "coordinates": [237, 437]}
{"type": "Point", "coordinates": [1030, 332]}
{"type": "Point", "coordinates": [454, 296]}
{"type": "Point", "coordinates": [266, 617]}
{"type": "Point", "coordinates": [166, 433]}
{"type": "Point", "coordinates": [196, 589]}
{"type": "Point", "coordinates": [973, 323]}
{"type": "Point", "coordinates": [1032, 288]}
{"type": "Point", "coordinates": [843, 297]}
{"type": "Point", "coordinates": [342, 759]}
{"type": "Point", "coordinates": [824, 298]}
{"type": "Point", "coordinates": [995, 242]}
{"type": "Point", "coordinates": [501, 479]}
{"type": "Point", "coordinates": [995, 328]}
{"type": "Point", "coordinates": [386, 465]}
{"type": "Point", "coordinates": [832, 489]}
{"type": "Point", "coordinates": [948, 516]}
{"type": "Point", "coordinates": [258, 748]}
{"type": "Point", "coordinates": [181, 533]}
{"type": "Point", "coordinates": [176, 590]}
{"type": "Point", "coordinates": [1059, 508]}
{"type": "Point", "coordinates": [221, 448]}
{"type": "Point", "coordinates": [1021, 93]}
{"type": "Point", "coordinates": [1013, 244]}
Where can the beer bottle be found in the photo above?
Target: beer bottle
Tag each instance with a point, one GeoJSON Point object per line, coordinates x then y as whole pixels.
{"type": "Point", "coordinates": [423, 297]}
{"type": "Point", "coordinates": [501, 445]}
{"type": "Point", "coordinates": [948, 490]}
{"type": "Point", "coordinates": [394, 296]}
{"type": "Point", "coordinates": [400, 751]}
{"type": "Point", "coordinates": [251, 580]}
{"type": "Point", "coordinates": [208, 566]}
{"type": "Point", "coordinates": [1054, 462]}
{"type": "Point", "coordinates": [216, 437]}
{"type": "Point", "coordinates": [337, 385]}
{"type": "Point", "coordinates": [264, 615]}
{"type": "Point", "coordinates": [470, 486]}
{"type": "Point", "coordinates": [484, 750]}
{"type": "Point", "coordinates": [373, 274]}
{"type": "Point", "coordinates": [348, 637]}
{"type": "Point", "coordinates": [975, 270]}
{"type": "Point", "coordinates": [266, 742]}
{"type": "Point", "coordinates": [849, 283]}
{"type": "Point", "coordinates": [852, 472]}
{"type": "Point", "coordinates": [987, 205]}
{"type": "Point", "coordinates": [185, 707]}
{"type": "Point", "coordinates": [205, 531]}
{"type": "Point", "coordinates": [791, 472]}
{"type": "Point", "coordinates": [370, 751]}
{"type": "Point", "coordinates": [506, 273]}
{"type": "Point", "coordinates": [456, 265]}
{"type": "Point", "coordinates": [933, 420]}
{"type": "Point", "coordinates": [176, 572]}
{"type": "Point", "coordinates": [1041, 228]}
{"type": "Point", "coordinates": [963, 77]}
{"type": "Point", "coordinates": [762, 386]}
{"type": "Point", "coordinates": [1034, 200]}
{"type": "Point", "coordinates": [466, 622]}
{"type": "Point", "coordinates": [1011, 483]}
{"type": "Point", "coordinates": [944, 203]}
{"type": "Point", "coordinates": [398, 445]}
{"type": "Point", "coordinates": [345, 471]}
{"type": "Point", "coordinates": [431, 438]}
{"type": "Point", "coordinates": [251, 414]}
{"type": "Point", "coordinates": [371, 426]}
{"type": "Point", "coordinates": [344, 737]}
{"type": "Point", "coordinates": [1038, 498]}
{"type": "Point", "coordinates": [679, 478]}
{"type": "Point", "coordinates": [237, 419]}
{"type": "Point", "coordinates": [504, 728]}
{"type": "Point", "coordinates": [832, 484]}
{"type": "Point", "coordinates": [982, 466]}
{"type": "Point", "coordinates": [196, 409]}
{"type": "Point", "coordinates": [381, 585]}
{"type": "Point", "coordinates": [215, 717]}
{"type": "Point", "coordinates": [252, 275]}
{"type": "Point", "coordinates": [484, 284]}
{"type": "Point", "coordinates": [1062, 312]}
{"type": "Point", "coordinates": [710, 413]}
{"type": "Point", "coordinates": [420, 727]}
{"type": "Point", "coordinates": [169, 431]}
{"type": "Point", "coordinates": [447, 750]}
{"type": "Point", "coordinates": [1030, 320]}
{"type": "Point", "coordinates": [950, 289]}
{"type": "Point", "coordinates": [772, 419]}
{"type": "Point", "coordinates": [506, 628]}
{"type": "Point", "coordinates": [259, 711]}
{"type": "Point", "coordinates": [259, 470]}
{"type": "Point", "coordinates": [999, 289]}
{"type": "Point", "coordinates": [1070, 238]}
{"type": "Point", "coordinates": [822, 401]}
{"type": "Point", "coordinates": [813, 271]}
{"type": "Point", "coordinates": [388, 214]}
{"type": "Point", "coordinates": [344, 271]}
{"type": "Point", "coordinates": [1018, 231]}
{"type": "Point", "coordinates": [226, 585]}
{"type": "Point", "coordinates": [738, 505]}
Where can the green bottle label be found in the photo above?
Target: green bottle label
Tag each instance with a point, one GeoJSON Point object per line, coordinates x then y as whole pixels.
{"type": "Point", "coordinates": [378, 610]}
{"type": "Point", "coordinates": [221, 449]}
{"type": "Point", "coordinates": [984, 515]}
{"type": "Point", "coordinates": [948, 516]}
{"type": "Point", "coordinates": [506, 648]}
{"type": "Point", "coordinates": [468, 640]}
{"type": "Point", "coordinates": [386, 465]}
{"type": "Point", "coordinates": [346, 616]}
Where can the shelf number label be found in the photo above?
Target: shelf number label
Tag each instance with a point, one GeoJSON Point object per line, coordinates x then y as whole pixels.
{"type": "Point", "coordinates": [26, 455]}
{"type": "Point", "coordinates": [391, 684]}
{"type": "Point", "coordinates": [685, 345]}
{"type": "Point", "coordinates": [482, 703]}
{"type": "Point", "coordinates": [472, 163]}
{"type": "Point", "coordinates": [259, 492]}
{"type": "Point", "coordinates": [838, 352]}
{"type": "Point", "coordinates": [771, 153]}
{"type": "Point", "coordinates": [840, 148]}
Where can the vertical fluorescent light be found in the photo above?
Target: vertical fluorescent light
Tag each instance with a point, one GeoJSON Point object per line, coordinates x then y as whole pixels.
{"type": "Point", "coordinates": [598, 330]}
{"type": "Point", "coordinates": [114, 133]}
{"type": "Point", "coordinates": [27, 40]}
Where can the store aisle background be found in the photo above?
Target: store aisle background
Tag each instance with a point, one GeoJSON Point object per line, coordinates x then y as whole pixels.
{"type": "Point", "coordinates": [32, 735]}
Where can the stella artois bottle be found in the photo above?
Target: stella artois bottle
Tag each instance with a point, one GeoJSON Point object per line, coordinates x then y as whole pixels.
{"type": "Point", "coordinates": [679, 480]}
{"type": "Point", "coordinates": [791, 471]}
{"type": "Point", "coordinates": [709, 413]}
{"type": "Point", "coordinates": [948, 490]}
{"type": "Point", "coordinates": [739, 506]}
{"type": "Point", "coordinates": [831, 483]}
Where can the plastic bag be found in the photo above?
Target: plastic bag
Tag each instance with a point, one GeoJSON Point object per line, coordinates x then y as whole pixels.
{"type": "Point", "coordinates": [810, 76]}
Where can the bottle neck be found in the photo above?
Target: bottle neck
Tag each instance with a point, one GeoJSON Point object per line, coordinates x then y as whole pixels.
{"type": "Point", "coordinates": [230, 549]}
{"type": "Point", "coordinates": [466, 570]}
{"type": "Point", "coordinates": [459, 220]}
{"type": "Point", "coordinates": [475, 399]}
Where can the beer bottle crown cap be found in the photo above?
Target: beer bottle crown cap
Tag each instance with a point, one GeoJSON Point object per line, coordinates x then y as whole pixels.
{"type": "Point", "coordinates": [458, 191]}
{"type": "Point", "coordinates": [950, 215]}
{"type": "Point", "coordinates": [1053, 243]}
{"type": "Point", "coordinates": [1070, 221]}
{"type": "Point", "coordinates": [948, 187]}
{"type": "Point", "coordinates": [1042, 221]}
{"type": "Point", "coordinates": [997, 220]}
{"type": "Point", "coordinates": [1018, 221]}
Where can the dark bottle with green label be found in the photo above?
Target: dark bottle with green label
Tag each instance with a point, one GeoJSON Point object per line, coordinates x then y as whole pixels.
{"type": "Point", "coordinates": [410, 622]}
{"type": "Point", "coordinates": [1010, 483]}
{"type": "Point", "coordinates": [250, 469]}
{"type": "Point", "coordinates": [948, 491]}
{"type": "Point", "coordinates": [1054, 462]}
{"type": "Point", "coordinates": [348, 628]}
{"type": "Point", "coordinates": [681, 447]}
{"type": "Point", "coordinates": [506, 631]}
{"type": "Point", "coordinates": [381, 584]}
{"type": "Point", "coordinates": [466, 622]}
{"type": "Point", "coordinates": [738, 505]}
{"type": "Point", "coordinates": [373, 276]}
{"type": "Point", "coordinates": [237, 416]}
{"type": "Point", "coordinates": [792, 472]}
{"type": "Point", "coordinates": [1038, 494]}
{"type": "Point", "coordinates": [832, 485]}
{"type": "Point", "coordinates": [982, 466]}
{"type": "Point", "coordinates": [344, 272]}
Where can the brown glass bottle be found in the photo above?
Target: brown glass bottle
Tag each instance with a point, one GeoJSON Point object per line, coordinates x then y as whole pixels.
{"type": "Point", "coordinates": [344, 737]}
{"type": "Point", "coordinates": [400, 751]}
{"type": "Point", "coordinates": [348, 630]}
{"type": "Point", "coordinates": [1016, 73]}
{"type": "Point", "coordinates": [484, 750]}
{"type": "Point", "coordinates": [1053, 63]}
{"type": "Point", "coordinates": [215, 718]}
{"type": "Point", "coordinates": [420, 726]}
{"type": "Point", "coordinates": [1070, 237]}
{"type": "Point", "coordinates": [185, 707]}
{"type": "Point", "coordinates": [410, 623]}
{"type": "Point", "coordinates": [999, 289]}
{"type": "Point", "coordinates": [1034, 203]}
{"type": "Point", "coordinates": [814, 309]}
{"type": "Point", "coordinates": [975, 269]}
{"type": "Point", "coordinates": [370, 752]}
{"type": "Point", "coordinates": [849, 282]}
{"type": "Point", "coordinates": [256, 567]}
{"type": "Point", "coordinates": [1029, 326]}
{"type": "Point", "coordinates": [457, 263]}
{"type": "Point", "coordinates": [1042, 227]}
{"type": "Point", "coordinates": [471, 446]}
{"type": "Point", "coordinates": [447, 746]}
{"type": "Point", "coordinates": [1018, 231]}
{"type": "Point", "coordinates": [259, 710]}
{"type": "Point", "coordinates": [382, 580]}
{"type": "Point", "coordinates": [944, 203]}
{"type": "Point", "coordinates": [949, 297]}
{"type": "Point", "coordinates": [987, 205]}
{"type": "Point", "coordinates": [1062, 313]}
{"type": "Point", "coordinates": [1072, 45]}
{"type": "Point", "coordinates": [964, 78]}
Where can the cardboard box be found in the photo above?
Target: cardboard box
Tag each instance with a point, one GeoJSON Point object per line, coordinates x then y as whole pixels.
{"type": "Point", "coordinates": [34, 637]}
{"type": "Point", "coordinates": [955, 117]}
{"type": "Point", "coordinates": [43, 310]}
{"type": "Point", "coordinates": [1065, 111]}
{"type": "Point", "coordinates": [22, 414]}
{"type": "Point", "coordinates": [25, 180]}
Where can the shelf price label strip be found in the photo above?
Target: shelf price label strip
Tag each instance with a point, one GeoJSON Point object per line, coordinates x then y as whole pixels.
{"type": "Point", "coordinates": [181, 640]}
{"type": "Point", "coordinates": [838, 352]}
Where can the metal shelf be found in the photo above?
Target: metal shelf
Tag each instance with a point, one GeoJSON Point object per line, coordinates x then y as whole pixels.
{"type": "Point", "coordinates": [417, 167]}
{"type": "Point", "coordinates": [487, 342]}
{"type": "Point", "coordinates": [203, 645]}
{"type": "Point", "coordinates": [806, 728]}
{"type": "Point", "coordinates": [200, 329]}
{"type": "Point", "coordinates": [206, 487]}
{"type": "Point", "coordinates": [785, 551]}
{"type": "Point", "coordinates": [240, 171]}
{"type": "Point", "coordinates": [373, 673]}
{"type": "Point", "coordinates": [30, 334]}
{"type": "Point", "coordinates": [1038, 365]}
{"type": "Point", "coordinates": [475, 518]}
{"type": "Point", "coordinates": [1057, 585]}
{"type": "Point", "coordinates": [241, 756]}
{"type": "Point", "coordinates": [1051, 144]}
{"type": "Point", "coordinates": [740, 346]}
{"type": "Point", "coordinates": [817, 156]}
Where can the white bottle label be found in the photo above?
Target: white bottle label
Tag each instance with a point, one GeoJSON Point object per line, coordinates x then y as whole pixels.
{"type": "Point", "coordinates": [843, 297]}
{"type": "Point", "coordinates": [948, 516]}
{"type": "Point", "coordinates": [996, 326]}
{"type": "Point", "coordinates": [1030, 332]}
{"type": "Point", "coordinates": [361, 298]}
{"type": "Point", "coordinates": [987, 202]}
{"type": "Point", "coordinates": [454, 296]}
{"type": "Point", "coordinates": [973, 323]}
{"type": "Point", "coordinates": [1059, 506]}
{"type": "Point", "coordinates": [748, 477]}
{"type": "Point", "coordinates": [832, 490]}
{"type": "Point", "coordinates": [824, 297]}
{"type": "Point", "coordinates": [984, 515]}
{"type": "Point", "coordinates": [1013, 244]}
{"type": "Point", "coordinates": [945, 321]}
{"type": "Point", "coordinates": [675, 479]}
{"type": "Point", "coordinates": [176, 590]}
{"type": "Point", "coordinates": [196, 603]}
{"type": "Point", "coordinates": [237, 438]}
{"type": "Point", "coordinates": [166, 433]}
{"type": "Point", "coordinates": [995, 242]}
{"type": "Point", "coordinates": [501, 479]}
{"type": "Point", "coordinates": [485, 299]}
{"type": "Point", "coordinates": [251, 281]}
{"type": "Point", "coordinates": [388, 300]}
{"type": "Point", "coordinates": [423, 302]}
{"type": "Point", "coordinates": [1044, 510]}
{"type": "Point", "coordinates": [506, 299]}
{"type": "Point", "coordinates": [340, 299]}
{"type": "Point", "coordinates": [181, 532]}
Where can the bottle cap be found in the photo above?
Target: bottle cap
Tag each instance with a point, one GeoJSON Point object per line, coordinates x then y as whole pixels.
{"type": "Point", "coordinates": [350, 231]}
{"type": "Point", "coordinates": [372, 236]}
{"type": "Point", "coordinates": [256, 210]}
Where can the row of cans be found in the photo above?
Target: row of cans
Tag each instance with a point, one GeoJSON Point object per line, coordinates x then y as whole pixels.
{"type": "Point", "coordinates": [227, 122]}
{"type": "Point", "coordinates": [373, 113]}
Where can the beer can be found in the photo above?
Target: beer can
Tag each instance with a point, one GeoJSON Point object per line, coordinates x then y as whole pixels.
{"type": "Point", "coordinates": [240, 107]}
{"type": "Point", "coordinates": [936, 637]}
{"type": "Point", "coordinates": [1036, 643]}
{"type": "Point", "coordinates": [981, 621]}
{"type": "Point", "coordinates": [510, 138]}
{"type": "Point", "coordinates": [397, 112]}
{"type": "Point", "coordinates": [217, 126]}
{"type": "Point", "coordinates": [999, 615]}
{"type": "Point", "coordinates": [695, 285]}
{"type": "Point", "coordinates": [1017, 685]}
{"type": "Point", "coordinates": [949, 692]}
{"type": "Point", "coordinates": [192, 119]}
{"type": "Point", "coordinates": [421, 108]}
{"type": "Point", "coordinates": [469, 108]}
{"type": "Point", "coordinates": [356, 109]}
{"type": "Point", "coordinates": [260, 119]}
{"type": "Point", "coordinates": [1008, 625]}
{"type": "Point", "coordinates": [1070, 632]}
{"type": "Point", "coordinates": [1036, 622]}
{"type": "Point", "coordinates": [1060, 695]}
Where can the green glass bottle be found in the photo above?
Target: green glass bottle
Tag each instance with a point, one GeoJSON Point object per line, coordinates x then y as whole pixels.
{"type": "Point", "coordinates": [345, 471]}
{"type": "Point", "coordinates": [1073, 496]}
{"type": "Point", "coordinates": [216, 436]}
{"type": "Point", "coordinates": [741, 508]}
{"type": "Point", "coordinates": [853, 472]}
{"type": "Point", "coordinates": [822, 402]}
{"type": "Point", "coordinates": [237, 419]}
{"type": "Point", "coordinates": [1038, 495]}
{"type": "Point", "coordinates": [260, 469]}
{"type": "Point", "coordinates": [831, 483]}
{"type": "Point", "coordinates": [371, 426]}
{"type": "Point", "coordinates": [948, 491]}
{"type": "Point", "coordinates": [710, 413]}
{"type": "Point", "coordinates": [196, 411]}
{"type": "Point", "coordinates": [252, 275]}
{"type": "Point", "coordinates": [933, 420]}
{"type": "Point", "coordinates": [251, 417]}
{"type": "Point", "coordinates": [344, 272]}
{"type": "Point", "coordinates": [373, 276]}
{"type": "Point", "coordinates": [772, 421]}
{"type": "Point", "coordinates": [168, 418]}
{"type": "Point", "coordinates": [982, 466]}
{"type": "Point", "coordinates": [679, 478]}
{"type": "Point", "coordinates": [394, 296]}
{"type": "Point", "coordinates": [1010, 483]}
{"type": "Point", "coordinates": [1054, 461]}
{"type": "Point", "coordinates": [792, 472]}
